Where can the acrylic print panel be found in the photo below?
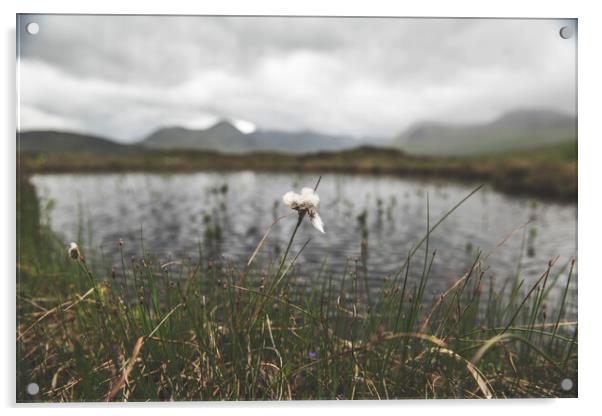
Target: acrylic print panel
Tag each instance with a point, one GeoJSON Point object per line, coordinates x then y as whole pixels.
{"type": "Point", "coordinates": [277, 208]}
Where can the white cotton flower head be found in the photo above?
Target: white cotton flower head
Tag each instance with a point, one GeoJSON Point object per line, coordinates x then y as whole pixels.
{"type": "Point", "coordinates": [74, 251]}
{"type": "Point", "coordinates": [292, 199]}
{"type": "Point", "coordinates": [307, 199]}
{"type": "Point", "coordinates": [305, 202]}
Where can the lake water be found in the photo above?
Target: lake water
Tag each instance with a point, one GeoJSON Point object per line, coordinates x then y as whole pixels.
{"type": "Point", "coordinates": [228, 213]}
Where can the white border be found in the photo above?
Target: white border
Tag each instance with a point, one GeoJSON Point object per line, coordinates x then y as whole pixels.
{"type": "Point", "coordinates": [590, 151]}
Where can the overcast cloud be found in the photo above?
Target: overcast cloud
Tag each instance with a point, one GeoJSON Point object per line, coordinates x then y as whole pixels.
{"type": "Point", "coordinates": [125, 76]}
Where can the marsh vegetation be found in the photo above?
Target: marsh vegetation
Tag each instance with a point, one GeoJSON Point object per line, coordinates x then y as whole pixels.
{"type": "Point", "coordinates": [548, 172]}
{"type": "Point", "coordinates": [209, 327]}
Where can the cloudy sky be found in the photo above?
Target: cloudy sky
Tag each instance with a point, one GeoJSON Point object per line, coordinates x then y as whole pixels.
{"type": "Point", "coordinates": [125, 76]}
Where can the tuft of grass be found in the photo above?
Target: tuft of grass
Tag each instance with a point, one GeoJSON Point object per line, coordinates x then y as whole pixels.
{"type": "Point", "coordinates": [205, 330]}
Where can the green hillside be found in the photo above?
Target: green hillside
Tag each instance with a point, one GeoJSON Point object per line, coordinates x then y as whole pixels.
{"type": "Point", "coordinates": [518, 130]}
{"type": "Point", "coordinates": [57, 142]}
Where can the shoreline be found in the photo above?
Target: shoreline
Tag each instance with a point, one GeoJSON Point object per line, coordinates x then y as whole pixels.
{"type": "Point", "coordinates": [554, 180]}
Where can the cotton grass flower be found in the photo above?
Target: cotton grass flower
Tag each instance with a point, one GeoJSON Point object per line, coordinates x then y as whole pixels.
{"type": "Point", "coordinates": [74, 251]}
{"type": "Point", "coordinates": [305, 202]}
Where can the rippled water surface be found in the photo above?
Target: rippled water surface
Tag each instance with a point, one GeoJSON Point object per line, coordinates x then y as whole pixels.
{"type": "Point", "coordinates": [227, 213]}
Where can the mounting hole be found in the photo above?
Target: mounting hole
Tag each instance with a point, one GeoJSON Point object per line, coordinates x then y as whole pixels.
{"type": "Point", "coordinates": [566, 384]}
{"type": "Point", "coordinates": [33, 389]}
{"type": "Point", "coordinates": [32, 28]}
{"type": "Point", "coordinates": [566, 32]}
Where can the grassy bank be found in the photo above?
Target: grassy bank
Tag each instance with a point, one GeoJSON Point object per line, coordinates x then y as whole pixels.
{"type": "Point", "coordinates": [205, 330]}
{"type": "Point", "coordinates": [545, 172]}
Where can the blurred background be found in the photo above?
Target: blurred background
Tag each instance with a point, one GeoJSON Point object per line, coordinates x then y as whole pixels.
{"type": "Point", "coordinates": [186, 131]}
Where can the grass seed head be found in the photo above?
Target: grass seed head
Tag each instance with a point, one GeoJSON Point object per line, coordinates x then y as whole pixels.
{"type": "Point", "coordinates": [74, 251]}
{"type": "Point", "coordinates": [305, 203]}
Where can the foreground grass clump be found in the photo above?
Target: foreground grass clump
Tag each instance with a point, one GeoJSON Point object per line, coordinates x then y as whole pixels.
{"type": "Point", "coordinates": [216, 330]}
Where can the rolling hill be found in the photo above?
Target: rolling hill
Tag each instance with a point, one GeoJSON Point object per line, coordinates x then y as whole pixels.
{"type": "Point", "coordinates": [56, 142]}
{"type": "Point", "coordinates": [521, 129]}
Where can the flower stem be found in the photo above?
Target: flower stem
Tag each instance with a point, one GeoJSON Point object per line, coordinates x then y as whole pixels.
{"type": "Point", "coordinates": [280, 273]}
{"type": "Point", "coordinates": [290, 242]}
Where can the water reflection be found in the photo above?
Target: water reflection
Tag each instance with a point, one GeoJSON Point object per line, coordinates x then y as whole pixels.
{"type": "Point", "coordinates": [227, 213]}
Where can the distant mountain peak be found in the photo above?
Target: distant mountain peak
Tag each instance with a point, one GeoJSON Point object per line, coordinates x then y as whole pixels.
{"type": "Point", "coordinates": [223, 125]}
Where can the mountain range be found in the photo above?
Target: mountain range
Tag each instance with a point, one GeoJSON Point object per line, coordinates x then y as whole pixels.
{"type": "Point", "coordinates": [516, 130]}
{"type": "Point", "coordinates": [225, 138]}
